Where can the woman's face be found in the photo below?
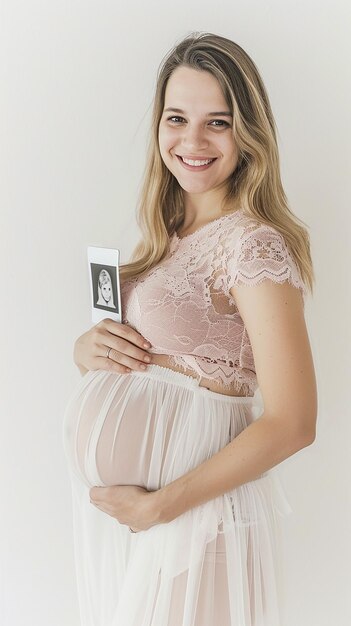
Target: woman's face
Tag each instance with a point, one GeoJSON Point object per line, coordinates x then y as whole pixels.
{"type": "Point", "coordinates": [197, 132]}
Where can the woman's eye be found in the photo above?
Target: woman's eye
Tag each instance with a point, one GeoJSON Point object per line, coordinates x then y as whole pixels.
{"type": "Point", "coordinates": [175, 117]}
{"type": "Point", "coordinates": [222, 122]}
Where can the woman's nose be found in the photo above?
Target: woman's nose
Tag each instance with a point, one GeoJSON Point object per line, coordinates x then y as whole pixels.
{"type": "Point", "coordinates": [194, 137]}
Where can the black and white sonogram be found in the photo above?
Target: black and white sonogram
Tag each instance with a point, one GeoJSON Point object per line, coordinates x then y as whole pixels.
{"type": "Point", "coordinates": [104, 283]}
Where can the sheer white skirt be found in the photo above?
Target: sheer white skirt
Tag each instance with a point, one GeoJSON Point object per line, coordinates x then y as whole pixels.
{"type": "Point", "coordinates": [218, 564]}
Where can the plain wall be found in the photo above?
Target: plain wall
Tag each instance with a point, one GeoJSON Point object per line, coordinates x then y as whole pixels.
{"type": "Point", "coordinates": [77, 83]}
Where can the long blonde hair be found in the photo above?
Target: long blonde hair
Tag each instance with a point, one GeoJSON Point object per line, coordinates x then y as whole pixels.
{"type": "Point", "coordinates": [255, 185]}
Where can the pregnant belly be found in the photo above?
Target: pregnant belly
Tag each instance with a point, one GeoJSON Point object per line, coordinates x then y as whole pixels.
{"type": "Point", "coordinates": [118, 429]}
{"type": "Point", "coordinates": [108, 430]}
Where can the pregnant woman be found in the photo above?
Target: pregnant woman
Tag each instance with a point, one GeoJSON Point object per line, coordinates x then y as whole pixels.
{"type": "Point", "coordinates": [208, 383]}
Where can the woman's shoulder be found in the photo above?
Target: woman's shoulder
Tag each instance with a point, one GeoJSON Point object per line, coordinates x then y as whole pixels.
{"type": "Point", "coordinates": [231, 232]}
{"type": "Point", "coordinates": [255, 251]}
{"type": "Point", "coordinates": [243, 223]}
{"type": "Point", "coordinates": [246, 232]}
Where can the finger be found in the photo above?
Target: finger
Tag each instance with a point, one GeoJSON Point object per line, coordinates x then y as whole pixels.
{"type": "Point", "coordinates": [135, 362]}
{"type": "Point", "coordinates": [97, 493]}
{"type": "Point", "coordinates": [111, 366]}
{"type": "Point", "coordinates": [121, 351]}
{"type": "Point", "coordinates": [125, 331]}
{"type": "Point", "coordinates": [124, 347]}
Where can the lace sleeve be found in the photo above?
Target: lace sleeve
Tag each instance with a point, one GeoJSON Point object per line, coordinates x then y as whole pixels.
{"type": "Point", "coordinates": [258, 253]}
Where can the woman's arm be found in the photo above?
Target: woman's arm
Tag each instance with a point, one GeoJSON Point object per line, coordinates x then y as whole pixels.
{"type": "Point", "coordinates": [274, 319]}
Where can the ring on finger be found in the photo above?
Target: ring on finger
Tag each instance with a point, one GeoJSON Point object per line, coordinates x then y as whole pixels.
{"type": "Point", "coordinates": [108, 352]}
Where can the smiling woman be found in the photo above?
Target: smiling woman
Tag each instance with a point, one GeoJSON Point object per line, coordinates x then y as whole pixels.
{"type": "Point", "coordinates": [197, 137]}
{"type": "Point", "coordinates": [217, 286]}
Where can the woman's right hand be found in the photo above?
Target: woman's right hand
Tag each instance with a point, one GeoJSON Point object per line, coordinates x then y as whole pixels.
{"type": "Point", "coordinates": [128, 348]}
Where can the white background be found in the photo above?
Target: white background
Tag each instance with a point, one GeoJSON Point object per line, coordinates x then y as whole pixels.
{"type": "Point", "coordinates": [77, 82]}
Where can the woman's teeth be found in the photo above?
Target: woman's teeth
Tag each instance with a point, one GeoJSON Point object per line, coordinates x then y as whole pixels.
{"type": "Point", "coordinates": [196, 163]}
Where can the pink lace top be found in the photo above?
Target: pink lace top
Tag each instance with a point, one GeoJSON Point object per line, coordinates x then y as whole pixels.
{"type": "Point", "coordinates": [183, 305]}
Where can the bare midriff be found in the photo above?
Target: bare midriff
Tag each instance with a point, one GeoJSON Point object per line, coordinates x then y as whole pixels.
{"type": "Point", "coordinates": [164, 361]}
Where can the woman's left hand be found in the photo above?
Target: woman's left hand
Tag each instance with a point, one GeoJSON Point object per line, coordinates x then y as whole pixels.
{"type": "Point", "coordinates": [129, 504]}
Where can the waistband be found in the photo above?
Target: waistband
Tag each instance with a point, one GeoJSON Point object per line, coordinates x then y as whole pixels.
{"type": "Point", "coordinates": [183, 380]}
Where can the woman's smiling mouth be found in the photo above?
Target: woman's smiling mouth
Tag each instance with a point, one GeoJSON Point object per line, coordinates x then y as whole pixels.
{"type": "Point", "coordinates": [197, 165]}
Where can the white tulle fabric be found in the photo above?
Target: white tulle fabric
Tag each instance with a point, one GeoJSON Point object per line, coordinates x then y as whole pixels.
{"type": "Point", "coordinates": [218, 564]}
{"type": "Point", "coordinates": [184, 307]}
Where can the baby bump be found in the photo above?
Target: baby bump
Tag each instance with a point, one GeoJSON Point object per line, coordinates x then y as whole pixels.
{"type": "Point", "coordinates": [140, 430]}
{"type": "Point", "coordinates": [108, 430]}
